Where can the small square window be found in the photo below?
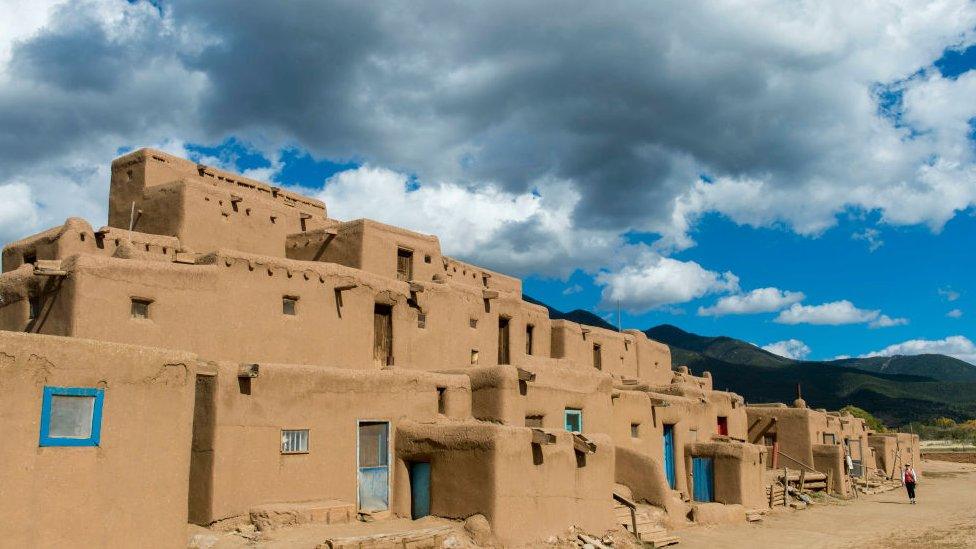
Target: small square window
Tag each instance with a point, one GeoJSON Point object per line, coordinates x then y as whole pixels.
{"type": "Point", "coordinates": [71, 416]}
{"type": "Point", "coordinates": [294, 441]}
{"type": "Point", "coordinates": [140, 307]}
{"type": "Point", "coordinates": [473, 322]}
{"type": "Point", "coordinates": [289, 305]}
{"type": "Point", "coordinates": [635, 430]}
{"type": "Point", "coordinates": [427, 258]}
{"type": "Point", "coordinates": [574, 420]}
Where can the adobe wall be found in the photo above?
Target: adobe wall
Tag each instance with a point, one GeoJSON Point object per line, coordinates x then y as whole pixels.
{"type": "Point", "coordinates": [499, 396]}
{"type": "Point", "coordinates": [738, 468]}
{"type": "Point", "coordinates": [95, 496]}
{"type": "Point", "coordinates": [526, 491]}
{"type": "Point", "coordinates": [793, 430]}
{"type": "Point", "coordinates": [249, 468]}
{"type": "Point", "coordinates": [206, 208]}
{"type": "Point", "coordinates": [829, 459]}
{"type": "Point", "coordinates": [653, 359]}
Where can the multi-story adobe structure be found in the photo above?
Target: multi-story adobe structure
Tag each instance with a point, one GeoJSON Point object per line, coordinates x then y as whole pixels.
{"type": "Point", "coordinates": [223, 345]}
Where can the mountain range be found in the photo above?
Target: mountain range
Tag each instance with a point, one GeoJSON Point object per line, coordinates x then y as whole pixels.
{"type": "Point", "coordinates": [896, 389]}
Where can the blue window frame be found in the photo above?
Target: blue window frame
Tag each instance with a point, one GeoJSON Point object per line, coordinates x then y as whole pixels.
{"type": "Point", "coordinates": [574, 420]}
{"type": "Point", "coordinates": [71, 416]}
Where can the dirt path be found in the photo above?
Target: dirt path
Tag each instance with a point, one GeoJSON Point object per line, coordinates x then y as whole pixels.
{"type": "Point", "coordinates": [945, 517]}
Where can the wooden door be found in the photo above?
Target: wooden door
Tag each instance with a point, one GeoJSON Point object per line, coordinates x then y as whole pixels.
{"type": "Point", "coordinates": [669, 455]}
{"type": "Point", "coordinates": [419, 489]}
{"type": "Point", "coordinates": [703, 478]}
{"type": "Point", "coordinates": [382, 335]}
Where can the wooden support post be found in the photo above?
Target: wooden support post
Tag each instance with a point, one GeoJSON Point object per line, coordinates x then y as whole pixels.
{"type": "Point", "coordinates": [803, 474]}
{"type": "Point", "coordinates": [830, 481]}
{"type": "Point", "coordinates": [775, 455]}
{"type": "Point", "coordinates": [786, 486]}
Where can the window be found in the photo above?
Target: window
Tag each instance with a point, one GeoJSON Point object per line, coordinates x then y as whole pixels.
{"type": "Point", "coordinates": [140, 307]}
{"type": "Point", "coordinates": [597, 357]}
{"type": "Point", "coordinates": [473, 322]}
{"type": "Point", "coordinates": [474, 356]}
{"type": "Point", "coordinates": [289, 305]}
{"type": "Point", "coordinates": [294, 441]}
{"type": "Point", "coordinates": [30, 258]}
{"type": "Point", "coordinates": [574, 420]}
{"type": "Point", "coordinates": [529, 329]}
{"type": "Point", "coordinates": [441, 403]}
{"type": "Point", "coordinates": [421, 320]}
{"type": "Point", "coordinates": [427, 258]}
{"type": "Point", "coordinates": [769, 439]}
{"type": "Point", "coordinates": [635, 430]}
{"type": "Point", "coordinates": [722, 427]}
{"type": "Point", "coordinates": [404, 264]}
{"type": "Point", "coordinates": [829, 438]}
{"type": "Point", "coordinates": [71, 416]}
{"type": "Point", "coordinates": [534, 421]}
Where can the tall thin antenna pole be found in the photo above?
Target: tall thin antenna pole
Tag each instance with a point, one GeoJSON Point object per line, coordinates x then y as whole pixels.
{"type": "Point", "coordinates": [132, 220]}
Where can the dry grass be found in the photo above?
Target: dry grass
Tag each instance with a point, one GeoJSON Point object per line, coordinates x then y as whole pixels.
{"type": "Point", "coordinates": [958, 536]}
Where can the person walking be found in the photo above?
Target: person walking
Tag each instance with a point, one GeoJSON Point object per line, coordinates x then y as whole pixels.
{"type": "Point", "coordinates": [909, 477]}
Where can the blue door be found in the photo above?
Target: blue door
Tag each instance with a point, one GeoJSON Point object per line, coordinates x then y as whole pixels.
{"type": "Point", "coordinates": [703, 477]}
{"type": "Point", "coordinates": [669, 454]}
{"type": "Point", "coordinates": [419, 489]}
{"type": "Point", "coordinates": [374, 465]}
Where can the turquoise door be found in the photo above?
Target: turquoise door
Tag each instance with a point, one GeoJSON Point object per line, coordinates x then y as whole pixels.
{"type": "Point", "coordinates": [419, 489]}
{"type": "Point", "coordinates": [669, 454]}
{"type": "Point", "coordinates": [703, 476]}
{"type": "Point", "coordinates": [374, 466]}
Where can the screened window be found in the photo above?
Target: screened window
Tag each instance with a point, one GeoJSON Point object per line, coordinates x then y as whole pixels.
{"type": "Point", "coordinates": [71, 416]}
{"type": "Point", "coordinates": [294, 441]}
{"type": "Point", "coordinates": [373, 444]}
{"type": "Point", "coordinates": [574, 420]}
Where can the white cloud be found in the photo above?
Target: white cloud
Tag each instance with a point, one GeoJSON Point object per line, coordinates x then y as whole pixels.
{"type": "Point", "coordinates": [760, 300]}
{"type": "Point", "coordinates": [836, 313]}
{"type": "Point", "coordinates": [885, 321]}
{"type": "Point", "coordinates": [524, 164]}
{"type": "Point", "coordinates": [871, 236]}
{"type": "Point", "coordinates": [574, 289]}
{"type": "Point", "coordinates": [18, 211]}
{"type": "Point", "coordinates": [955, 346]}
{"type": "Point", "coordinates": [955, 313]}
{"type": "Point", "coordinates": [949, 294]}
{"type": "Point", "coordinates": [652, 280]}
{"type": "Point", "coordinates": [789, 348]}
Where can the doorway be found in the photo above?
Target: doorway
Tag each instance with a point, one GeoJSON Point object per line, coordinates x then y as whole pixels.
{"type": "Point", "coordinates": [374, 465]}
{"type": "Point", "coordinates": [503, 340]}
{"type": "Point", "coordinates": [419, 489]}
{"type": "Point", "coordinates": [383, 335]}
{"type": "Point", "coordinates": [723, 426]}
{"type": "Point", "coordinates": [669, 454]}
{"type": "Point", "coordinates": [703, 478]}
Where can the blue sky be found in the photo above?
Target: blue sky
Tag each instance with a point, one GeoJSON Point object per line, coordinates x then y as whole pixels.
{"type": "Point", "coordinates": [799, 175]}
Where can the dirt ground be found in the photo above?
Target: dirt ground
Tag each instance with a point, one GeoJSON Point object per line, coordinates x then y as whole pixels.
{"type": "Point", "coordinates": [945, 517]}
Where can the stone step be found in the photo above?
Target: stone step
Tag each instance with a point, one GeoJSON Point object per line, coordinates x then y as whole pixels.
{"type": "Point", "coordinates": [276, 515]}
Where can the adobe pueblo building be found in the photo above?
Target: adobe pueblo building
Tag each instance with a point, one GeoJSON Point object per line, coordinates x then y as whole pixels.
{"type": "Point", "coordinates": [223, 350]}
